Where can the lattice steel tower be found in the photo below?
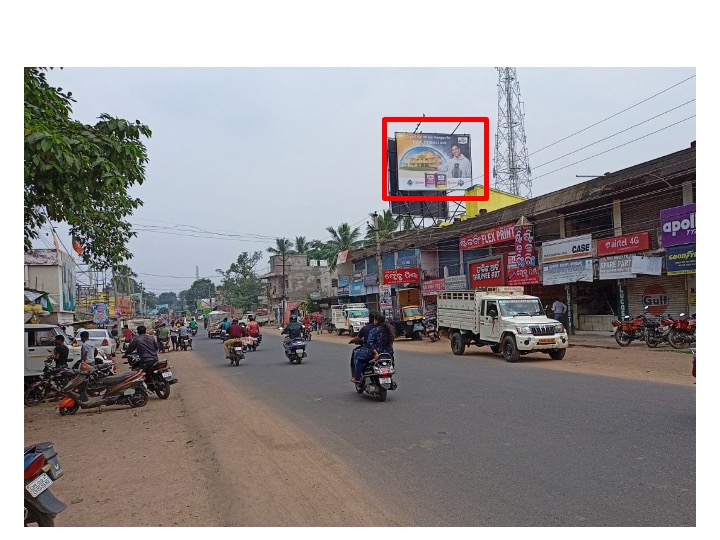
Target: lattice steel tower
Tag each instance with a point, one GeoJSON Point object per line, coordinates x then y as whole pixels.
{"type": "Point", "coordinates": [511, 169]}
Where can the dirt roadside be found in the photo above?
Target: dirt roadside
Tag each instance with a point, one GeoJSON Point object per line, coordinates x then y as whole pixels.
{"type": "Point", "coordinates": [187, 461]}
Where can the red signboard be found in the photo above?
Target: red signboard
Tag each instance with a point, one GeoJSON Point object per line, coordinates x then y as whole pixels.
{"type": "Point", "coordinates": [401, 275]}
{"type": "Point", "coordinates": [623, 244]}
{"type": "Point", "coordinates": [488, 237]}
{"type": "Point", "coordinates": [487, 273]}
{"type": "Point", "coordinates": [515, 275]}
{"type": "Point", "coordinates": [433, 286]}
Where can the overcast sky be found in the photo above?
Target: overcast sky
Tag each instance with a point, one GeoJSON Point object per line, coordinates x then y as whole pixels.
{"type": "Point", "coordinates": [259, 153]}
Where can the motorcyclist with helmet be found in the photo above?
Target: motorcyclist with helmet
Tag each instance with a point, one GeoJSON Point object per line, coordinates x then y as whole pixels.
{"type": "Point", "coordinates": [365, 352]}
{"type": "Point", "coordinates": [293, 330]}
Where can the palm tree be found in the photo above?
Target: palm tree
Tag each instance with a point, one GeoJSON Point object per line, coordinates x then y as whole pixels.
{"type": "Point", "coordinates": [302, 246]}
{"type": "Point", "coordinates": [387, 225]}
{"type": "Point", "coordinates": [283, 246]}
{"type": "Point", "coordinates": [341, 239]}
{"type": "Point", "coordinates": [406, 222]}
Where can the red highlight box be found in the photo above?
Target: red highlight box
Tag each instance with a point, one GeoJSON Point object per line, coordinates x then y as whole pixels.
{"type": "Point", "coordinates": [486, 158]}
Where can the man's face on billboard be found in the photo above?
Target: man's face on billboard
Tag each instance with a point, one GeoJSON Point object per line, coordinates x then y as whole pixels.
{"type": "Point", "coordinates": [455, 150]}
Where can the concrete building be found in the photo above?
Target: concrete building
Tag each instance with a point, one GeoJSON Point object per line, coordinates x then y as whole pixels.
{"type": "Point", "coordinates": [53, 272]}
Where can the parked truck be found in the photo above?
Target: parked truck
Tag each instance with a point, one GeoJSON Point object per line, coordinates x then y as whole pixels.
{"type": "Point", "coordinates": [409, 321]}
{"type": "Point", "coordinates": [349, 318]}
{"type": "Point", "coordinates": [262, 318]}
{"type": "Point", "coordinates": [503, 318]}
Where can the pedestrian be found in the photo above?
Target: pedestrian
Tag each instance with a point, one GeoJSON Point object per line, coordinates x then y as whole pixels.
{"type": "Point", "coordinates": [87, 350]}
{"type": "Point", "coordinates": [319, 321]}
{"type": "Point", "coordinates": [559, 309]}
{"type": "Point", "coordinates": [61, 352]}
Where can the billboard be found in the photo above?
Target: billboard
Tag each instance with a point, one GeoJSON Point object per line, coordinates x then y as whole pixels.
{"type": "Point", "coordinates": [488, 237]}
{"type": "Point", "coordinates": [425, 209]}
{"type": "Point", "coordinates": [678, 225]}
{"type": "Point", "coordinates": [486, 273]}
{"type": "Point", "coordinates": [681, 260]}
{"type": "Point", "coordinates": [565, 249]}
{"type": "Point", "coordinates": [433, 162]}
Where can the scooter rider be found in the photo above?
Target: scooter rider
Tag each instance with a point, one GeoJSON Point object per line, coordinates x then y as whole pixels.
{"type": "Point", "coordinates": [253, 327]}
{"type": "Point", "coordinates": [364, 353]}
{"type": "Point", "coordinates": [293, 330]}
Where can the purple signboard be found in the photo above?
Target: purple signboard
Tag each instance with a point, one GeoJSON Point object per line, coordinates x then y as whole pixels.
{"type": "Point", "coordinates": [678, 225]}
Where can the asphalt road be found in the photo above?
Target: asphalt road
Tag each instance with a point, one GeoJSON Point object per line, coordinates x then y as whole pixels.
{"type": "Point", "coordinates": [463, 442]}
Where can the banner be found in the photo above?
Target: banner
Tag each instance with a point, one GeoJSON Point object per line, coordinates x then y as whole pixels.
{"type": "Point", "coordinates": [623, 244]}
{"type": "Point", "coordinates": [358, 275]}
{"type": "Point", "coordinates": [100, 314]}
{"type": "Point", "coordinates": [681, 260]}
{"type": "Point", "coordinates": [433, 161]}
{"type": "Point", "coordinates": [357, 288]}
{"type": "Point", "coordinates": [370, 280]}
{"type": "Point", "coordinates": [343, 281]}
{"type": "Point", "coordinates": [406, 261]}
{"type": "Point", "coordinates": [342, 257]}
{"type": "Point", "coordinates": [455, 283]}
{"type": "Point", "coordinates": [616, 267]}
{"type": "Point", "coordinates": [486, 273]}
{"type": "Point", "coordinates": [567, 272]}
{"type": "Point", "coordinates": [678, 225]}
{"type": "Point", "coordinates": [385, 297]}
{"type": "Point", "coordinates": [488, 237]}
{"type": "Point", "coordinates": [646, 265]}
{"type": "Point", "coordinates": [514, 275]}
{"type": "Point", "coordinates": [576, 247]}
{"type": "Point", "coordinates": [401, 275]}
{"type": "Point", "coordinates": [431, 287]}
{"type": "Point", "coordinates": [525, 255]}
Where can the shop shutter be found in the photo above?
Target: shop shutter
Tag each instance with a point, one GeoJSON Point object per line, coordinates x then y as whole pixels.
{"type": "Point", "coordinates": [674, 287]}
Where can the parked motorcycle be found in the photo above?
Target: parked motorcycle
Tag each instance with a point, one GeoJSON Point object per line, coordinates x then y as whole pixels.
{"type": "Point", "coordinates": [431, 329]}
{"type": "Point", "coordinates": [295, 350]}
{"type": "Point", "coordinates": [658, 332]}
{"type": "Point", "coordinates": [630, 329]}
{"type": "Point", "coordinates": [682, 333]}
{"type": "Point", "coordinates": [49, 385]}
{"type": "Point", "coordinates": [42, 468]}
{"type": "Point", "coordinates": [158, 376]}
{"type": "Point", "coordinates": [126, 389]}
{"type": "Point", "coordinates": [376, 376]}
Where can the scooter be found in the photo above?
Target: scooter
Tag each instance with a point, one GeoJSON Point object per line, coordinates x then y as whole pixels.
{"type": "Point", "coordinates": [295, 350]}
{"type": "Point", "coordinates": [42, 469]}
{"type": "Point", "coordinates": [431, 329]}
{"type": "Point", "coordinates": [193, 331]}
{"type": "Point", "coordinates": [158, 376]}
{"type": "Point", "coordinates": [376, 376]}
{"type": "Point", "coordinates": [126, 389]}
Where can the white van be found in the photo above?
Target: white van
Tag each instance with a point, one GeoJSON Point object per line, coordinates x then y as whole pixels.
{"type": "Point", "coordinates": [40, 343]}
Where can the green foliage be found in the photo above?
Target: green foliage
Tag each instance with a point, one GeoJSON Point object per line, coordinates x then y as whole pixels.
{"type": "Point", "coordinates": [301, 245]}
{"type": "Point", "coordinates": [387, 225]}
{"type": "Point", "coordinates": [80, 174]}
{"type": "Point", "coordinates": [201, 288]}
{"type": "Point", "coordinates": [342, 238]}
{"type": "Point", "coordinates": [310, 305]}
{"type": "Point", "coordinates": [240, 283]}
{"type": "Point", "coordinates": [169, 298]}
{"type": "Point", "coordinates": [283, 246]}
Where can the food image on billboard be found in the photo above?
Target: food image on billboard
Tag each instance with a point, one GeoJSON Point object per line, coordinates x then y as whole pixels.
{"type": "Point", "coordinates": [433, 161]}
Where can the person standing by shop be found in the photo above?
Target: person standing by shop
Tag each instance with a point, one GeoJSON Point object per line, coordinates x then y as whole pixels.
{"type": "Point", "coordinates": [559, 309]}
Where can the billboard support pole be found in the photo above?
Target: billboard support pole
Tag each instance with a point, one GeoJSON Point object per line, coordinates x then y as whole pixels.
{"type": "Point", "coordinates": [378, 258]}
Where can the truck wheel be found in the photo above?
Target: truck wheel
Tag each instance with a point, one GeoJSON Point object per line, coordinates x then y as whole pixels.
{"type": "Point", "coordinates": [457, 344]}
{"type": "Point", "coordinates": [557, 354]}
{"type": "Point", "coordinates": [351, 332]}
{"type": "Point", "coordinates": [495, 348]}
{"type": "Point", "coordinates": [510, 350]}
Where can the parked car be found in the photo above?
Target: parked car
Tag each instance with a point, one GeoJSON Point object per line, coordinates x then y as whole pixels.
{"type": "Point", "coordinates": [102, 339]}
{"type": "Point", "coordinates": [40, 343]}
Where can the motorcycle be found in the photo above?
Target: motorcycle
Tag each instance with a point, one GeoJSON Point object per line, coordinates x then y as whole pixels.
{"type": "Point", "coordinates": [658, 332]}
{"type": "Point", "coordinates": [628, 330]}
{"type": "Point", "coordinates": [307, 332]}
{"type": "Point", "coordinates": [682, 333]}
{"type": "Point", "coordinates": [42, 469]}
{"type": "Point", "coordinates": [126, 389]}
{"type": "Point", "coordinates": [158, 376]}
{"type": "Point", "coordinates": [376, 376]}
{"type": "Point", "coordinates": [193, 331]}
{"type": "Point", "coordinates": [431, 329]}
{"type": "Point", "coordinates": [295, 350]}
{"type": "Point", "coordinates": [51, 383]}
{"type": "Point", "coordinates": [250, 343]}
{"type": "Point", "coordinates": [163, 345]}
{"type": "Point", "coordinates": [184, 343]}
{"type": "Point", "coordinates": [237, 352]}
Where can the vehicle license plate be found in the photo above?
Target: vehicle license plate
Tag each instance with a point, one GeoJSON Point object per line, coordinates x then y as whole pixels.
{"type": "Point", "coordinates": [40, 484]}
{"type": "Point", "coordinates": [385, 380]}
{"type": "Point", "coordinates": [546, 341]}
{"type": "Point", "coordinates": [418, 328]}
{"type": "Point", "coordinates": [298, 352]}
{"type": "Point", "coordinates": [167, 374]}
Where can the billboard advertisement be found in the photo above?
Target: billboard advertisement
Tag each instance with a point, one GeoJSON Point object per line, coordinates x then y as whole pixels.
{"type": "Point", "coordinates": [100, 313]}
{"type": "Point", "coordinates": [565, 249]}
{"type": "Point", "coordinates": [681, 260]}
{"type": "Point", "coordinates": [488, 237]}
{"type": "Point", "coordinates": [516, 274]}
{"type": "Point", "coordinates": [487, 273]}
{"type": "Point", "coordinates": [678, 225]}
{"type": "Point", "coordinates": [623, 244]}
{"type": "Point", "coordinates": [433, 162]}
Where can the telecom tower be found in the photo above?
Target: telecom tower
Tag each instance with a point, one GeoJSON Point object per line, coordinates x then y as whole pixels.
{"type": "Point", "coordinates": [197, 272]}
{"type": "Point", "coordinates": [511, 169]}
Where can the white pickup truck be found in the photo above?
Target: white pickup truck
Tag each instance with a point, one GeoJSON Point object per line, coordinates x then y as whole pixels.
{"type": "Point", "coordinates": [349, 318]}
{"type": "Point", "coordinates": [503, 318]}
{"type": "Point", "coordinates": [259, 318]}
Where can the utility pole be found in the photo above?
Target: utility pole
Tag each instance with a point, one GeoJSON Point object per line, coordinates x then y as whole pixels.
{"type": "Point", "coordinates": [142, 310]}
{"type": "Point", "coordinates": [282, 297]}
{"type": "Point", "coordinates": [378, 258]}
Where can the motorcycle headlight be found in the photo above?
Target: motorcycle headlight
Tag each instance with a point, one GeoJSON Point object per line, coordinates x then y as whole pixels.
{"type": "Point", "coordinates": [523, 329]}
{"type": "Point", "coordinates": [559, 328]}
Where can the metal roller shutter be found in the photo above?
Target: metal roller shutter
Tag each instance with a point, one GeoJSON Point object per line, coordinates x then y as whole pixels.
{"type": "Point", "coordinates": [674, 287]}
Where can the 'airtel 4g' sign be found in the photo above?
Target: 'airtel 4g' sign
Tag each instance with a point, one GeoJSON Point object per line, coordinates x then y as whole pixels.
{"type": "Point", "coordinates": [678, 225]}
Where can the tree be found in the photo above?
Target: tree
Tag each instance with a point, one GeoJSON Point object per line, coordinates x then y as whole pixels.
{"type": "Point", "coordinates": [387, 225]}
{"type": "Point", "coordinates": [406, 222]}
{"type": "Point", "coordinates": [181, 299]}
{"type": "Point", "coordinates": [342, 238]}
{"type": "Point", "coordinates": [319, 250]}
{"type": "Point", "coordinates": [201, 288]}
{"type": "Point", "coordinates": [169, 298]}
{"type": "Point", "coordinates": [240, 284]}
{"type": "Point", "coordinates": [283, 246]}
{"type": "Point", "coordinates": [80, 174]}
{"type": "Point", "coordinates": [302, 246]}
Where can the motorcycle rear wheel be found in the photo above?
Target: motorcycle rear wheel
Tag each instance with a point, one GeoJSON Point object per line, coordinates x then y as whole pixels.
{"type": "Point", "coordinates": [162, 389]}
{"type": "Point", "coordinates": [381, 394]}
{"type": "Point", "coordinates": [64, 411]}
{"type": "Point", "coordinates": [651, 341]}
{"type": "Point", "coordinates": [623, 338]}
{"type": "Point", "coordinates": [34, 396]}
{"type": "Point", "coordinates": [139, 398]}
{"type": "Point", "coordinates": [36, 516]}
{"type": "Point", "coordinates": [676, 341]}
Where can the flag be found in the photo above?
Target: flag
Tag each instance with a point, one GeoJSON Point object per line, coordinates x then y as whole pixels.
{"type": "Point", "coordinates": [77, 247]}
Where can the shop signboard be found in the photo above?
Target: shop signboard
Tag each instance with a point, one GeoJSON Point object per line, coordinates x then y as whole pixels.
{"type": "Point", "coordinates": [616, 267]}
{"type": "Point", "coordinates": [343, 291]}
{"type": "Point", "coordinates": [514, 275]}
{"type": "Point", "coordinates": [567, 272]}
{"type": "Point", "coordinates": [401, 275]}
{"type": "Point", "coordinates": [385, 297]}
{"type": "Point", "coordinates": [678, 225]}
{"type": "Point", "coordinates": [370, 280]}
{"type": "Point", "coordinates": [681, 260]}
{"type": "Point", "coordinates": [656, 298]}
{"type": "Point", "coordinates": [431, 287]}
{"type": "Point", "coordinates": [343, 281]}
{"type": "Point", "coordinates": [358, 275]}
{"type": "Point", "coordinates": [622, 301]}
{"type": "Point", "coordinates": [566, 249]}
{"type": "Point", "coordinates": [628, 243]}
{"type": "Point", "coordinates": [646, 265]}
{"type": "Point", "coordinates": [487, 273]}
{"type": "Point", "coordinates": [488, 237]}
{"type": "Point", "coordinates": [357, 288]}
{"type": "Point", "coordinates": [525, 254]}
{"type": "Point", "coordinates": [100, 313]}
{"type": "Point", "coordinates": [406, 261]}
{"type": "Point", "coordinates": [455, 283]}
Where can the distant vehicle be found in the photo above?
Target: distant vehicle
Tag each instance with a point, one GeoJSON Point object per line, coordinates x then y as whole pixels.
{"type": "Point", "coordinates": [40, 343]}
{"type": "Point", "coordinates": [349, 318]}
{"type": "Point", "coordinates": [214, 319]}
{"type": "Point", "coordinates": [102, 339]}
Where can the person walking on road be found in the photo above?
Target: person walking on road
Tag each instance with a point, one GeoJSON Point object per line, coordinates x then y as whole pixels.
{"type": "Point", "coordinates": [559, 309]}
